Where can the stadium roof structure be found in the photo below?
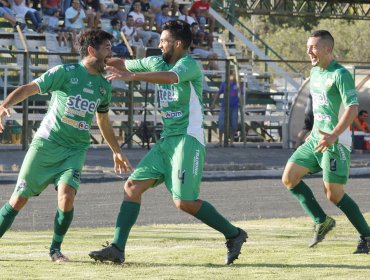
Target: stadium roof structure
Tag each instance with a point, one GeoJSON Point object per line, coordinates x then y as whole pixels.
{"type": "Point", "coordinates": [338, 9]}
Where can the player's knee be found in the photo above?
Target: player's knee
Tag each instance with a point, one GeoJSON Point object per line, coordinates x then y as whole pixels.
{"type": "Point", "coordinates": [18, 202]}
{"type": "Point", "coordinates": [131, 189]}
{"type": "Point", "coordinates": [289, 180]}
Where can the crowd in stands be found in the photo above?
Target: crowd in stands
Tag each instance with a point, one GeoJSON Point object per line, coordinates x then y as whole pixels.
{"type": "Point", "coordinates": [139, 20]}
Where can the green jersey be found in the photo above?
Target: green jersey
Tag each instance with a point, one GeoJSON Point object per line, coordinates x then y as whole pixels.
{"type": "Point", "coordinates": [181, 103]}
{"type": "Point", "coordinates": [330, 89]}
{"type": "Point", "coordinates": [76, 96]}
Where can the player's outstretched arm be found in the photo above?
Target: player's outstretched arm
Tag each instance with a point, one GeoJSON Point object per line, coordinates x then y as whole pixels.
{"type": "Point", "coordinates": [160, 77]}
{"type": "Point", "coordinates": [121, 163]}
{"type": "Point", "coordinates": [16, 96]}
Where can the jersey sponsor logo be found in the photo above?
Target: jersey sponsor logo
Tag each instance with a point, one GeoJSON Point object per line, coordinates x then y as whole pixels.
{"type": "Point", "coordinates": [166, 95]}
{"type": "Point", "coordinates": [21, 185]}
{"type": "Point", "coordinates": [70, 67]}
{"type": "Point", "coordinates": [81, 104]}
{"type": "Point", "coordinates": [89, 84]}
{"type": "Point", "coordinates": [172, 115]}
{"type": "Point", "coordinates": [319, 99]}
{"type": "Point", "coordinates": [81, 125]}
{"type": "Point", "coordinates": [322, 117]}
{"type": "Point", "coordinates": [196, 162]}
{"type": "Point", "coordinates": [352, 93]}
{"type": "Point", "coordinates": [88, 90]}
{"type": "Point", "coordinates": [102, 91]}
{"type": "Point", "coordinates": [72, 112]}
{"type": "Point", "coordinates": [74, 81]}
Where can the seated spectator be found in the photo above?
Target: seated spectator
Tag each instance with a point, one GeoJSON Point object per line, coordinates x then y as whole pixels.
{"type": "Point", "coordinates": [117, 44]}
{"type": "Point", "coordinates": [139, 23]}
{"type": "Point", "coordinates": [75, 21]}
{"type": "Point", "coordinates": [200, 11]}
{"type": "Point", "coordinates": [148, 13]}
{"type": "Point", "coordinates": [184, 11]}
{"type": "Point", "coordinates": [92, 11]}
{"type": "Point", "coordinates": [53, 26]}
{"type": "Point", "coordinates": [360, 123]}
{"type": "Point", "coordinates": [50, 6]}
{"type": "Point", "coordinates": [20, 9]}
{"type": "Point", "coordinates": [163, 17]}
{"type": "Point", "coordinates": [157, 4]}
{"type": "Point", "coordinates": [8, 14]}
{"type": "Point", "coordinates": [199, 49]}
{"type": "Point", "coordinates": [130, 32]}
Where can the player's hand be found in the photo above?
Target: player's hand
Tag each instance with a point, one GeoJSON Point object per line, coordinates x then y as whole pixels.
{"type": "Point", "coordinates": [326, 141]}
{"type": "Point", "coordinates": [116, 62]}
{"type": "Point", "coordinates": [3, 112]}
{"type": "Point", "coordinates": [116, 74]}
{"type": "Point", "coordinates": [121, 163]}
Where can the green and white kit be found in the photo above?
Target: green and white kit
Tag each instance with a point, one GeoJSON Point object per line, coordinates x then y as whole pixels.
{"type": "Point", "coordinates": [177, 159]}
{"type": "Point", "coordinates": [58, 150]}
{"type": "Point", "coordinates": [330, 88]}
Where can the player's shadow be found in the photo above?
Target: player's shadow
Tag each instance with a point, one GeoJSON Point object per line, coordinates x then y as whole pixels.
{"type": "Point", "coordinates": [255, 265]}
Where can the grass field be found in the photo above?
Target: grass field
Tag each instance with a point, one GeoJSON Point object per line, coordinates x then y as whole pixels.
{"type": "Point", "coordinates": [276, 249]}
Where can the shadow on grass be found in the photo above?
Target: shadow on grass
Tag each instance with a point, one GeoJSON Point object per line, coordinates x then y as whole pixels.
{"type": "Point", "coordinates": [266, 265]}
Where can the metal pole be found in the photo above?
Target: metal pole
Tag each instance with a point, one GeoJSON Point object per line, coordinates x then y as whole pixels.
{"type": "Point", "coordinates": [130, 112]}
{"type": "Point", "coordinates": [25, 103]}
{"type": "Point", "coordinates": [227, 105]}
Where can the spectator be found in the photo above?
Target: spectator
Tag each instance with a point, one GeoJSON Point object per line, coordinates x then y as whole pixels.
{"type": "Point", "coordinates": [233, 109]}
{"type": "Point", "coordinates": [50, 6]}
{"type": "Point", "coordinates": [360, 123]}
{"type": "Point", "coordinates": [74, 21]}
{"type": "Point", "coordinates": [199, 49]}
{"type": "Point", "coordinates": [148, 13]}
{"type": "Point", "coordinates": [139, 23]}
{"type": "Point", "coordinates": [130, 32]}
{"type": "Point", "coordinates": [157, 4]}
{"type": "Point", "coordinates": [92, 11]}
{"type": "Point", "coordinates": [22, 10]}
{"type": "Point", "coordinates": [117, 45]}
{"type": "Point", "coordinates": [184, 11]}
{"type": "Point", "coordinates": [8, 14]}
{"type": "Point", "coordinates": [53, 26]}
{"type": "Point", "coordinates": [200, 10]}
{"type": "Point", "coordinates": [163, 17]}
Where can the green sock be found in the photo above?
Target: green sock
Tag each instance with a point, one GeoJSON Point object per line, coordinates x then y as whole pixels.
{"type": "Point", "coordinates": [62, 221]}
{"type": "Point", "coordinates": [354, 215]}
{"type": "Point", "coordinates": [209, 215]}
{"type": "Point", "coordinates": [308, 202]}
{"type": "Point", "coordinates": [126, 219]}
{"type": "Point", "coordinates": [7, 216]}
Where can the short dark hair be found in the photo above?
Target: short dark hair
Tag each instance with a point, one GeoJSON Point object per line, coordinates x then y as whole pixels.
{"type": "Point", "coordinates": [362, 112]}
{"type": "Point", "coordinates": [93, 38]}
{"type": "Point", "coordinates": [180, 30]}
{"type": "Point", "coordinates": [325, 35]}
{"type": "Point", "coordinates": [164, 6]}
{"type": "Point", "coordinates": [114, 22]}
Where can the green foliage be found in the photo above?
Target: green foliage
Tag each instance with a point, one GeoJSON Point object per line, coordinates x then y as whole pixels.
{"type": "Point", "coordinates": [288, 36]}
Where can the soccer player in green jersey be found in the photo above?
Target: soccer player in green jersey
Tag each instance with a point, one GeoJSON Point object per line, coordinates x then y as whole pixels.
{"type": "Point", "coordinates": [177, 158]}
{"type": "Point", "coordinates": [58, 150]}
{"type": "Point", "coordinates": [327, 149]}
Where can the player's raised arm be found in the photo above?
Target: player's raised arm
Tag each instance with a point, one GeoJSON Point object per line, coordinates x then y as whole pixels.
{"type": "Point", "coordinates": [16, 96]}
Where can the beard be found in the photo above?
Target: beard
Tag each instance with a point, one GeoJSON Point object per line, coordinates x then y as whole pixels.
{"type": "Point", "coordinates": [168, 55]}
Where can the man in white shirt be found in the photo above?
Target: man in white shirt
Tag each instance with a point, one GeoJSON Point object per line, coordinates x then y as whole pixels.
{"type": "Point", "coordinates": [139, 23]}
{"type": "Point", "coordinates": [75, 20]}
